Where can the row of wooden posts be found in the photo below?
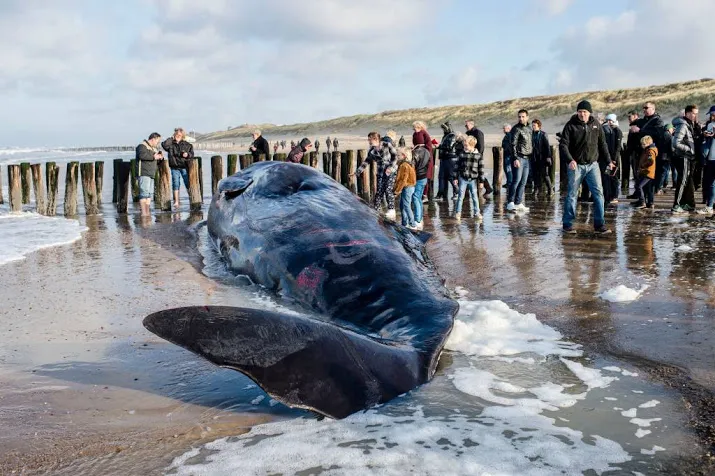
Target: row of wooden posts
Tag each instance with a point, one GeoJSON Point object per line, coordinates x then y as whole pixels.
{"type": "Point", "coordinates": [338, 165]}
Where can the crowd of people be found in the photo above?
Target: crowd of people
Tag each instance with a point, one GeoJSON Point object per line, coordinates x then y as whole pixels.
{"type": "Point", "coordinates": [590, 147]}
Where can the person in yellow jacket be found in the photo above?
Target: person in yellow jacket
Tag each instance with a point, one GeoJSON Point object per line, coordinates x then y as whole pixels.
{"type": "Point", "coordinates": [405, 186]}
{"type": "Point", "coordinates": [646, 174]}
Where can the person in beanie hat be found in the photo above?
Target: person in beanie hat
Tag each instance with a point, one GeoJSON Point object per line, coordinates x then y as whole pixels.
{"type": "Point", "coordinates": [583, 143]}
{"type": "Point", "coordinates": [296, 154]}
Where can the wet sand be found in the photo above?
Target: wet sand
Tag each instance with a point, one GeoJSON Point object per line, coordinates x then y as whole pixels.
{"type": "Point", "coordinates": [85, 389]}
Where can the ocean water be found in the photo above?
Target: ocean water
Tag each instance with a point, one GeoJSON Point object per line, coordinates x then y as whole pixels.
{"type": "Point", "coordinates": [511, 396]}
{"type": "Point", "coordinates": [24, 233]}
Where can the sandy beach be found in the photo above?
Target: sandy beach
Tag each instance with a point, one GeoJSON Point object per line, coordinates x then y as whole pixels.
{"type": "Point", "coordinates": [85, 389]}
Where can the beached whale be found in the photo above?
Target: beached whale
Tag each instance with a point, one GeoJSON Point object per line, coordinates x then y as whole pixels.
{"type": "Point", "coordinates": [377, 314]}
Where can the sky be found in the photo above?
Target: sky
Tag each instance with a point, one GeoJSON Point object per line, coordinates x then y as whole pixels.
{"type": "Point", "coordinates": [101, 72]}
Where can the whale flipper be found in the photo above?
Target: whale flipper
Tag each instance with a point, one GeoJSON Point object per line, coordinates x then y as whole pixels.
{"type": "Point", "coordinates": [299, 361]}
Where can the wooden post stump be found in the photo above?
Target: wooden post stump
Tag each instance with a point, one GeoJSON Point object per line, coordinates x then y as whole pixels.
{"type": "Point", "coordinates": [116, 164]}
{"type": "Point", "coordinates": [261, 157]}
{"type": "Point", "coordinates": [99, 179]}
{"type": "Point", "coordinates": [243, 159]}
{"type": "Point", "coordinates": [351, 168]}
{"type": "Point", "coordinates": [201, 176]}
{"type": "Point", "coordinates": [52, 174]}
{"type": "Point", "coordinates": [38, 185]}
{"type": "Point", "coordinates": [326, 163]}
{"type": "Point", "coordinates": [563, 175]}
{"type": "Point", "coordinates": [135, 180]}
{"type": "Point", "coordinates": [216, 172]}
{"type": "Point", "coordinates": [314, 159]}
{"type": "Point", "coordinates": [71, 189]}
{"type": "Point", "coordinates": [373, 179]}
{"type": "Point", "coordinates": [498, 176]}
{"type": "Point", "coordinates": [231, 164]}
{"type": "Point", "coordinates": [554, 165]}
{"type": "Point", "coordinates": [164, 197]}
{"type": "Point", "coordinates": [363, 183]}
{"type": "Point", "coordinates": [89, 189]}
{"type": "Point", "coordinates": [26, 179]}
{"type": "Point", "coordinates": [306, 159]}
{"type": "Point", "coordinates": [124, 177]}
{"type": "Point", "coordinates": [195, 197]}
{"type": "Point", "coordinates": [14, 184]}
{"type": "Point", "coordinates": [344, 171]}
{"type": "Point", "coordinates": [336, 166]}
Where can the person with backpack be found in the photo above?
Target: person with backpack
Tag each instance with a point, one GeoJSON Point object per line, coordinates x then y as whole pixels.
{"type": "Point", "coordinates": [470, 171]}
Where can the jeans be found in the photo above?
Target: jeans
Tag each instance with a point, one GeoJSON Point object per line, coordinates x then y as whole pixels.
{"type": "Point", "coordinates": [709, 183]}
{"type": "Point", "coordinates": [646, 190]}
{"type": "Point", "coordinates": [146, 187]}
{"type": "Point", "coordinates": [417, 199]}
{"type": "Point", "coordinates": [519, 177]}
{"type": "Point", "coordinates": [508, 173]}
{"type": "Point", "coordinates": [176, 176]}
{"type": "Point", "coordinates": [464, 185]}
{"type": "Point", "coordinates": [666, 170]}
{"type": "Point", "coordinates": [408, 218]}
{"type": "Point", "coordinates": [591, 174]}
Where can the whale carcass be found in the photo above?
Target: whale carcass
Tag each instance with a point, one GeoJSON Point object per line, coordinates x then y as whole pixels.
{"type": "Point", "coordinates": [377, 315]}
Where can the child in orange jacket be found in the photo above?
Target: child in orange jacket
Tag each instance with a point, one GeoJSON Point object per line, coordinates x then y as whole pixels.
{"type": "Point", "coordinates": [646, 174]}
{"type": "Point", "coordinates": [405, 186]}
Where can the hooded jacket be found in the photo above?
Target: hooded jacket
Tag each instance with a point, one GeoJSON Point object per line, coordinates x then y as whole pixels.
{"type": "Point", "coordinates": [584, 142]}
{"type": "Point", "coordinates": [297, 152]}
{"type": "Point", "coordinates": [421, 158]}
{"type": "Point", "coordinates": [646, 165]}
{"type": "Point", "coordinates": [405, 176]}
{"type": "Point", "coordinates": [683, 139]}
{"type": "Point", "coordinates": [175, 151]}
{"type": "Point", "coordinates": [521, 141]}
{"type": "Point", "coordinates": [262, 147]}
{"type": "Point", "coordinates": [614, 140]}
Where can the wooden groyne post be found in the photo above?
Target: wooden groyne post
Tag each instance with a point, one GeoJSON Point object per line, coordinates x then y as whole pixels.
{"type": "Point", "coordinates": [351, 168]}
{"type": "Point", "coordinates": [231, 164]}
{"type": "Point", "coordinates": [135, 180]}
{"type": "Point", "coordinates": [314, 159]}
{"type": "Point", "coordinates": [195, 196]}
{"type": "Point", "coordinates": [26, 179]}
{"type": "Point", "coordinates": [555, 163]}
{"type": "Point", "coordinates": [38, 185]}
{"type": "Point", "coordinates": [336, 166]}
{"type": "Point", "coordinates": [14, 183]}
{"type": "Point", "coordinates": [326, 163]}
{"type": "Point", "coordinates": [71, 189]}
{"type": "Point", "coordinates": [116, 165]}
{"type": "Point", "coordinates": [99, 179]}
{"type": "Point", "coordinates": [162, 190]}
{"type": "Point", "coordinates": [363, 184]}
{"type": "Point", "coordinates": [216, 172]}
{"type": "Point", "coordinates": [52, 175]}
{"type": "Point", "coordinates": [89, 188]}
{"type": "Point", "coordinates": [124, 174]}
{"type": "Point", "coordinates": [498, 175]}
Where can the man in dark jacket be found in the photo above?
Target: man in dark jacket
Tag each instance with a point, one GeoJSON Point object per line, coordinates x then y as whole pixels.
{"type": "Point", "coordinates": [147, 153]}
{"type": "Point", "coordinates": [180, 152]}
{"type": "Point", "coordinates": [614, 140]}
{"type": "Point", "coordinates": [684, 154]}
{"type": "Point", "coordinates": [522, 150]}
{"type": "Point", "coordinates": [447, 162]}
{"type": "Point", "coordinates": [668, 169]}
{"type": "Point", "coordinates": [633, 153]}
{"type": "Point", "coordinates": [296, 154]}
{"type": "Point", "coordinates": [475, 132]}
{"type": "Point", "coordinates": [583, 143]}
{"type": "Point", "coordinates": [542, 159]}
{"type": "Point", "coordinates": [259, 146]}
{"type": "Point", "coordinates": [421, 158]}
{"type": "Point", "coordinates": [649, 125]}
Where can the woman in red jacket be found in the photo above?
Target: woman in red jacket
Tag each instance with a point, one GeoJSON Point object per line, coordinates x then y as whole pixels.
{"type": "Point", "coordinates": [421, 136]}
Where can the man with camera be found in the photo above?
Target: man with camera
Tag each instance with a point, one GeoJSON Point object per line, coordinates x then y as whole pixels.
{"type": "Point", "coordinates": [147, 153]}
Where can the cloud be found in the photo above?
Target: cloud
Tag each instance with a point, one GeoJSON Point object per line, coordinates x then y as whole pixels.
{"type": "Point", "coordinates": [653, 42]}
{"type": "Point", "coordinates": [556, 7]}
